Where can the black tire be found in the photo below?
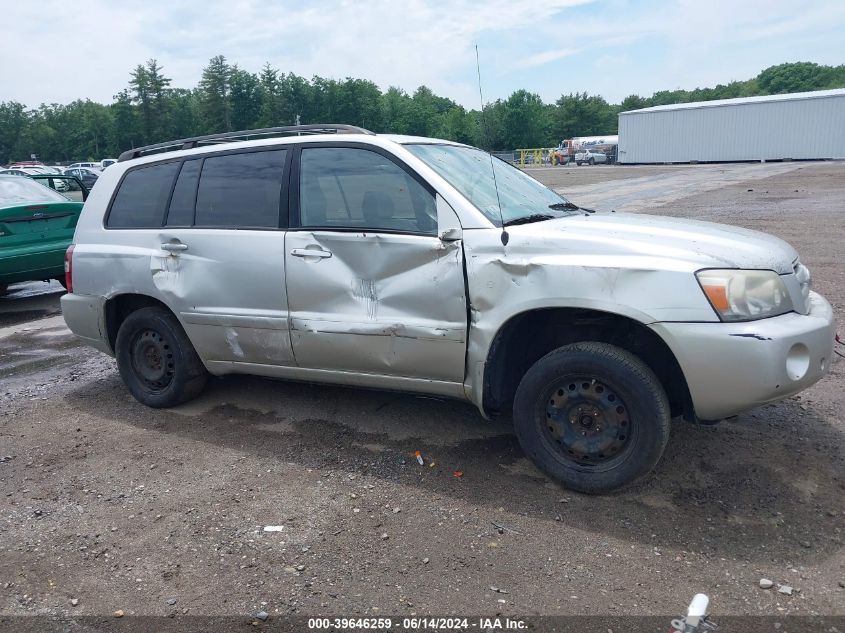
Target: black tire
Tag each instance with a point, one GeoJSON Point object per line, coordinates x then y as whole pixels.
{"type": "Point", "coordinates": [577, 386]}
{"type": "Point", "coordinates": [592, 161]}
{"type": "Point", "coordinates": [578, 163]}
{"type": "Point", "coordinates": [157, 362]}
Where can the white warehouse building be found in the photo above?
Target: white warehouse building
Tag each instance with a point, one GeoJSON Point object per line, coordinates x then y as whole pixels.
{"type": "Point", "coordinates": [803, 125]}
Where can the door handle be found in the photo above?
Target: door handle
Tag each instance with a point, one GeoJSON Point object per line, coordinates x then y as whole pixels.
{"type": "Point", "coordinates": [174, 247]}
{"type": "Point", "coordinates": [308, 252]}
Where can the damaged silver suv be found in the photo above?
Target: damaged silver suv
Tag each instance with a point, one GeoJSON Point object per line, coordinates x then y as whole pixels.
{"type": "Point", "coordinates": [330, 254]}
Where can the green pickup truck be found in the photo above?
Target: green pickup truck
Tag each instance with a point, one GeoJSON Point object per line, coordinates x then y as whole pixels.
{"type": "Point", "coordinates": [36, 227]}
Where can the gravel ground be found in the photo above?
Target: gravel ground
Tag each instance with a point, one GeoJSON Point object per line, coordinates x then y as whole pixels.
{"type": "Point", "coordinates": [107, 505]}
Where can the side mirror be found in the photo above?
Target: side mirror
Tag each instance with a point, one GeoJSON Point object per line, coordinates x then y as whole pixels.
{"type": "Point", "coordinates": [451, 235]}
{"type": "Point", "coordinates": [448, 224]}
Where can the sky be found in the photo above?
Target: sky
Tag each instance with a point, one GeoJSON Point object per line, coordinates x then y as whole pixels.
{"type": "Point", "coordinates": [56, 51]}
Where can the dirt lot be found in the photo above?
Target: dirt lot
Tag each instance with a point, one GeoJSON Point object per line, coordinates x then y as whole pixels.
{"type": "Point", "coordinates": [116, 506]}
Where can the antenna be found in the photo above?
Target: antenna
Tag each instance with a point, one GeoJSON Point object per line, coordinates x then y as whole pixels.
{"type": "Point", "coordinates": [505, 236]}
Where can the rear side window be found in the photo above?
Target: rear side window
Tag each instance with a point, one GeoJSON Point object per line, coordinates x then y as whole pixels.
{"type": "Point", "coordinates": [240, 190]}
{"type": "Point", "coordinates": [142, 198]}
{"type": "Point", "coordinates": [184, 193]}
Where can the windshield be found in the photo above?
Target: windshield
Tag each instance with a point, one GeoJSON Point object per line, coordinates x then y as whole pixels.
{"type": "Point", "coordinates": [15, 190]}
{"type": "Point", "coordinates": [468, 170]}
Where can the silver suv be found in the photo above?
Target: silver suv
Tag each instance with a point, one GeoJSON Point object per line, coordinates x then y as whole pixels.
{"type": "Point", "coordinates": [330, 254]}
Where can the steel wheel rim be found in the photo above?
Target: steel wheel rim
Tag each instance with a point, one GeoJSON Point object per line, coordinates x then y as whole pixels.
{"type": "Point", "coordinates": [152, 360]}
{"type": "Point", "coordinates": [586, 423]}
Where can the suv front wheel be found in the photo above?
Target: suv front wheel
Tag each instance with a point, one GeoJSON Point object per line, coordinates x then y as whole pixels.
{"type": "Point", "coordinates": [592, 416]}
{"type": "Point", "coordinates": [156, 360]}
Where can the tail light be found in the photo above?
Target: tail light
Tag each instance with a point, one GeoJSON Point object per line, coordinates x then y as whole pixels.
{"type": "Point", "coordinates": [69, 268]}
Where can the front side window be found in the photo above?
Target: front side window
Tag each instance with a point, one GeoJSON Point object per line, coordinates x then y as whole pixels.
{"type": "Point", "coordinates": [141, 200]}
{"type": "Point", "coordinates": [351, 188]}
{"type": "Point", "coordinates": [241, 190]}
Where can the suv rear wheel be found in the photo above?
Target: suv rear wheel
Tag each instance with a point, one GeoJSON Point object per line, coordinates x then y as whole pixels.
{"type": "Point", "coordinates": [156, 360]}
{"type": "Point", "coordinates": [593, 416]}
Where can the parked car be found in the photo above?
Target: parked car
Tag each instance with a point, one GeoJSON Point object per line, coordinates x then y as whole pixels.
{"type": "Point", "coordinates": [59, 185]}
{"type": "Point", "coordinates": [590, 157]}
{"type": "Point", "coordinates": [22, 171]}
{"type": "Point", "coordinates": [69, 186]}
{"type": "Point", "coordinates": [36, 227]}
{"type": "Point", "coordinates": [106, 162]}
{"type": "Point", "coordinates": [87, 175]}
{"type": "Point", "coordinates": [27, 163]}
{"type": "Point", "coordinates": [402, 263]}
{"type": "Point", "coordinates": [14, 171]}
{"type": "Point", "coordinates": [31, 172]}
{"type": "Point", "coordinates": [96, 166]}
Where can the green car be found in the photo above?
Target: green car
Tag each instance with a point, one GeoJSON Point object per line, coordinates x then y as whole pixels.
{"type": "Point", "coordinates": [36, 227]}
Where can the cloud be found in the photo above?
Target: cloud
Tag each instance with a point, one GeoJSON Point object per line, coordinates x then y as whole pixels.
{"type": "Point", "coordinates": [541, 59]}
{"type": "Point", "coordinates": [52, 51]}
{"type": "Point", "coordinates": [407, 43]}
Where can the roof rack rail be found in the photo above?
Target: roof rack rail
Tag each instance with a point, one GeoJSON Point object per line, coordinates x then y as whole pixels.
{"type": "Point", "coordinates": [242, 135]}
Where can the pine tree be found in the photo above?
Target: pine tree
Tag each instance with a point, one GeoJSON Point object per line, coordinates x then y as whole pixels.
{"type": "Point", "coordinates": [140, 84]}
{"type": "Point", "coordinates": [214, 89]}
{"type": "Point", "coordinates": [124, 124]}
{"type": "Point", "coordinates": [245, 98]}
{"type": "Point", "coordinates": [272, 114]}
{"type": "Point", "coordinates": [157, 86]}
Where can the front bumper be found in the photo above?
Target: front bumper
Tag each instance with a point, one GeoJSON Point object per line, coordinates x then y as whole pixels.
{"type": "Point", "coordinates": [731, 367]}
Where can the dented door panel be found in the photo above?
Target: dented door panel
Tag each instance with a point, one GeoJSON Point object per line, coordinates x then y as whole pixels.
{"type": "Point", "coordinates": [388, 304]}
{"type": "Point", "coordinates": [228, 289]}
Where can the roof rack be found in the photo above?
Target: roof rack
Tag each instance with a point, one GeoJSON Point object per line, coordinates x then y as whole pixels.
{"type": "Point", "coordinates": [243, 135]}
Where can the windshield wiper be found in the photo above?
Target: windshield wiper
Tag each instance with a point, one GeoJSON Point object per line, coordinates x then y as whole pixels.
{"type": "Point", "coordinates": [528, 219]}
{"type": "Point", "coordinates": [560, 206]}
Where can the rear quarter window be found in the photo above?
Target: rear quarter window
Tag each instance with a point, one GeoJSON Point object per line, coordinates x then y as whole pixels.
{"type": "Point", "coordinates": [181, 211]}
{"type": "Point", "coordinates": [141, 199]}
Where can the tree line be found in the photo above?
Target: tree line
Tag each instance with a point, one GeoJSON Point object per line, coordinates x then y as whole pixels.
{"type": "Point", "coordinates": [230, 98]}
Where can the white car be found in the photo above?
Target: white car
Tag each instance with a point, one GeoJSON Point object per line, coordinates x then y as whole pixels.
{"type": "Point", "coordinates": [20, 171]}
{"type": "Point", "coordinates": [96, 166]}
{"type": "Point", "coordinates": [36, 171]}
{"type": "Point", "coordinates": [589, 157]}
{"type": "Point", "coordinates": [26, 169]}
{"type": "Point", "coordinates": [332, 254]}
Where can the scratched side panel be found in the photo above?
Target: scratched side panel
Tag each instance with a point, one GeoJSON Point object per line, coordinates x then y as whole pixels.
{"type": "Point", "coordinates": [382, 303]}
{"type": "Point", "coordinates": [228, 290]}
{"type": "Point", "coordinates": [546, 269]}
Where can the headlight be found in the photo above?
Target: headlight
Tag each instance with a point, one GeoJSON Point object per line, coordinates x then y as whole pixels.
{"type": "Point", "coordinates": [745, 295]}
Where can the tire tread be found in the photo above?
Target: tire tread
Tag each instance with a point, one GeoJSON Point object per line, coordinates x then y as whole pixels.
{"type": "Point", "coordinates": [189, 380]}
{"type": "Point", "coordinates": [641, 378]}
